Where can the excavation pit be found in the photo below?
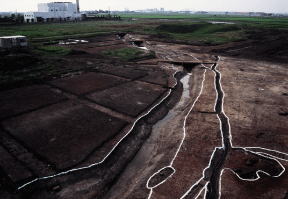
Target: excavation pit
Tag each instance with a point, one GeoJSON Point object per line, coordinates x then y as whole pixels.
{"type": "Point", "coordinates": [159, 78]}
{"type": "Point", "coordinates": [64, 134]}
{"type": "Point", "coordinates": [125, 72]}
{"type": "Point", "coordinates": [160, 177]}
{"type": "Point", "coordinates": [137, 43]}
{"type": "Point", "coordinates": [88, 82]}
{"type": "Point", "coordinates": [131, 98]}
{"type": "Point", "coordinates": [21, 100]}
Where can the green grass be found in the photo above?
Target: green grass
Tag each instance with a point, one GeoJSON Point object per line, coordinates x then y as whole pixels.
{"type": "Point", "coordinates": [53, 50]}
{"type": "Point", "coordinates": [190, 28]}
{"type": "Point", "coordinates": [37, 31]}
{"type": "Point", "coordinates": [124, 54]}
{"type": "Point", "coordinates": [202, 32]}
{"type": "Point", "coordinates": [264, 22]}
{"type": "Point", "coordinates": [91, 28]}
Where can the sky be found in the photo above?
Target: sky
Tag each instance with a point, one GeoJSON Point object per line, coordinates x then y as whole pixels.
{"type": "Point", "coordinates": [279, 6]}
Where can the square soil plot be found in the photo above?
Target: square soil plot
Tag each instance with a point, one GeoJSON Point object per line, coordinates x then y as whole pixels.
{"type": "Point", "coordinates": [64, 134]}
{"type": "Point", "coordinates": [88, 82]}
{"type": "Point", "coordinates": [20, 100]}
{"type": "Point", "coordinates": [125, 72]}
{"type": "Point", "coordinates": [131, 98]}
{"type": "Point", "coordinates": [159, 78]}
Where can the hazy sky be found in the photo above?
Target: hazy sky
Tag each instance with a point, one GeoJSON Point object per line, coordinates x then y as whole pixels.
{"type": "Point", "coordinates": [209, 5]}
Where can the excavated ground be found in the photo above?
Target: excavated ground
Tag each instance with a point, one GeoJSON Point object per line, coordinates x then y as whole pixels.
{"type": "Point", "coordinates": [128, 130]}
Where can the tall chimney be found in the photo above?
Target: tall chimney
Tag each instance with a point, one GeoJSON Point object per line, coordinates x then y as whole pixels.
{"type": "Point", "coordinates": [78, 7]}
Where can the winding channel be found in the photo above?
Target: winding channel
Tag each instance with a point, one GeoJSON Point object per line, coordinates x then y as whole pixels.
{"type": "Point", "coordinates": [210, 182]}
{"type": "Point", "coordinates": [216, 165]}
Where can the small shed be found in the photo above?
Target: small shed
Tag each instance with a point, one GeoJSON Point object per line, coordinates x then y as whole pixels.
{"type": "Point", "coordinates": [9, 42]}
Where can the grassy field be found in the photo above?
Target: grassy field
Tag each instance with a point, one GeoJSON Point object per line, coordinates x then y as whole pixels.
{"type": "Point", "coordinates": [265, 22]}
{"type": "Point", "coordinates": [202, 32]}
{"type": "Point", "coordinates": [124, 54]}
{"type": "Point", "coordinates": [55, 30]}
{"type": "Point", "coordinates": [153, 24]}
{"type": "Point", "coordinates": [127, 54]}
{"type": "Point", "coordinates": [185, 28]}
{"type": "Point", "coordinates": [52, 50]}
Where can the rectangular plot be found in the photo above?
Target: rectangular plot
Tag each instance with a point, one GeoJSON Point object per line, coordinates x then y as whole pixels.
{"type": "Point", "coordinates": [65, 133]}
{"type": "Point", "coordinates": [156, 78]}
{"type": "Point", "coordinates": [21, 100]}
{"type": "Point", "coordinates": [131, 98]}
{"type": "Point", "coordinates": [88, 82]}
{"type": "Point", "coordinates": [125, 72]}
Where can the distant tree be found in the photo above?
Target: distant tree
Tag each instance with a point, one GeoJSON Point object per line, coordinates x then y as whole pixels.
{"type": "Point", "coordinates": [19, 18]}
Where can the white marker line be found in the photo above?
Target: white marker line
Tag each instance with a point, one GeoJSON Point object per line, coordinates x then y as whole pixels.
{"type": "Point", "coordinates": [182, 141]}
{"type": "Point", "coordinates": [158, 173]}
{"type": "Point", "coordinates": [203, 175]}
{"type": "Point", "coordinates": [223, 143]}
{"type": "Point", "coordinates": [230, 138]}
{"type": "Point", "coordinates": [271, 156]}
{"type": "Point", "coordinates": [200, 192]}
{"type": "Point", "coordinates": [257, 172]}
{"type": "Point", "coordinates": [184, 132]}
{"type": "Point", "coordinates": [190, 189]}
{"type": "Point", "coordinates": [150, 194]}
{"type": "Point", "coordinates": [98, 163]}
{"type": "Point", "coordinates": [265, 149]}
{"type": "Point", "coordinates": [220, 182]}
{"type": "Point", "coordinates": [222, 106]}
{"type": "Point", "coordinates": [220, 125]}
{"type": "Point", "coordinates": [260, 171]}
{"type": "Point", "coordinates": [185, 119]}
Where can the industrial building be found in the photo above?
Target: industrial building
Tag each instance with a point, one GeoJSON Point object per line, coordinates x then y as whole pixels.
{"type": "Point", "coordinates": [54, 11]}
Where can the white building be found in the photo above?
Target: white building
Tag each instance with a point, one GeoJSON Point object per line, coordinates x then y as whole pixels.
{"type": "Point", "coordinates": [55, 11]}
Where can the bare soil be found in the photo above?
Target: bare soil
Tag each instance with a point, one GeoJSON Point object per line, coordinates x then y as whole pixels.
{"type": "Point", "coordinates": [87, 83]}
{"type": "Point", "coordinates": [117, 123]}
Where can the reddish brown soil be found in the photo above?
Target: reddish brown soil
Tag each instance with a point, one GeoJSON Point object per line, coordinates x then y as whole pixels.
{"type": "Point", "coordinates": [156, 78]}
{"type": "Point", "coordinates": [202, 127]}
{"type": "Point", "coordinates": [131, 98]}
{"type": "Point", "coordinates": [79, 131]}
{"type": "Point", "coordinates": [17, 101]}
{"type": "Point", "coordinates": [246, 164]}
{"type": "Point", "coordinates": [49, 135]}
{"type": "Point", "coordinates": [264, 188]}
{"type": "Point", "coordinates": [88, 82]}
{"type": "Point", "coordinates": [16, 172]}
{"type": "Point", "coordinates": [124, 72]}
{"type": "Point", "coordinates": [254, 98]}
{"type": "Point", "coordinates": [64, 134]}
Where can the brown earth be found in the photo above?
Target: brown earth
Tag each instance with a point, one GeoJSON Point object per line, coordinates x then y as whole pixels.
{"type": "Point", "coordinates": [45, 131]}
{"type": "Point", "coordinates": [78, 117]}
{"type": "Point", "coordinates": [119, 98]}
{"type": "Point", "coordinates": [17, 101]}
{"type": "Point", "coordinates": [87, 83]}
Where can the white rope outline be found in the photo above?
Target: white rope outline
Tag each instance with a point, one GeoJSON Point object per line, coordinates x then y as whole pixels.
{"type": "Point", "coordinates": [114, 147]}
{"type": "Point", "coordinates": [263, 154]}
